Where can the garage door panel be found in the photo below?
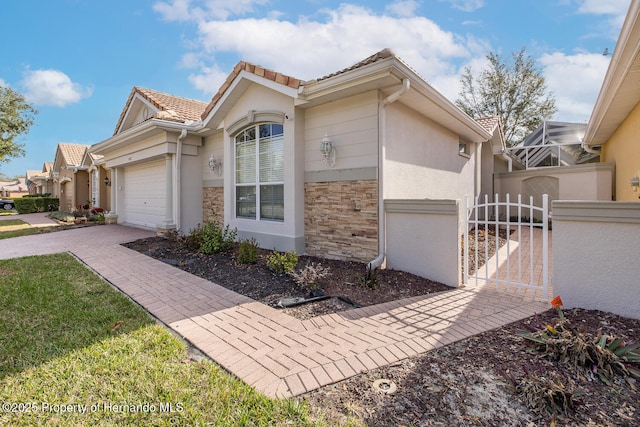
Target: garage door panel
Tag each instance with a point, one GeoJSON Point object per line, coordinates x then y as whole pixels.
{"type": "Point", "coordinates": [145, 196]}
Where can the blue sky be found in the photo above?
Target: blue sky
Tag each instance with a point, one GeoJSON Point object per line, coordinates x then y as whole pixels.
{"type": "Point", "coordinates": [77, 60]}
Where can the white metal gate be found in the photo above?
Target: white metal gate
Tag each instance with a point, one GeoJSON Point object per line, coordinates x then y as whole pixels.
{"type": "Point", "coordinates": [522, 261]}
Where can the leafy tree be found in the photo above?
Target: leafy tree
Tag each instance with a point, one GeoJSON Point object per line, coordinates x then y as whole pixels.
{"type": "Point", "coordinates": [16, 117]}
{"type": "Point", "coordinates": [515, 91]}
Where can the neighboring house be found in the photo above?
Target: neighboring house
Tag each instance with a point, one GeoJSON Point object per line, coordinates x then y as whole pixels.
{"type": "Point", "coordinates": [99, 180]}
{"type": "Point", "coordinates": [154, 166]}
{"type": "Point", "coordinates": [304, 166]}
{"type": "Point", "coordinates": [40, 182]}
{"type": "Point", "coordinates": [14, 189]}
{"type": "Point", "coordinates": [614, 126]}
{"type": "Point", "coordinates": [70, 177]}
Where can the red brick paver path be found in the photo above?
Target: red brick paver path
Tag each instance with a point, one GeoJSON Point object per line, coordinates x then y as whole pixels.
{"type": "Point", "coordinates": [277, 354]}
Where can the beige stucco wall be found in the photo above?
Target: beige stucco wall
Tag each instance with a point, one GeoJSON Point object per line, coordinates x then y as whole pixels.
{"type": "Point", "coordinates": [423, 238]}
{"type": "Point", "coordinates": [595, 255]}
{"type": "Point", "coordinates": [352, 126]}
{"type": "Point", "coordinates": [591, 181]}
{"type": "Point", "coordinates": [623, 149]}
{"type": "Point", "coordinates": [288, 234]}
{"type": "Point", "coordinates": [421, 159]}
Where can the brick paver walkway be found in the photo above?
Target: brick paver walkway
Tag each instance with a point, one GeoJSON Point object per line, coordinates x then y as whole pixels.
{"type": "Point", "coordinates": [521, 266]}
{"type": "Point", "coordinates": [277, 354]}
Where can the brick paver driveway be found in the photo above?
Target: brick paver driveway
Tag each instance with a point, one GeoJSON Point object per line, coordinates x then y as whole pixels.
{"type": "Point", "coordinates": [277, 354]}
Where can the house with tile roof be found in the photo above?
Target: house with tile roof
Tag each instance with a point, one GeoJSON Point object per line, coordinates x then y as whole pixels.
{"type": "Point", "coordinates": [40, 181]}
{"type": "Point", "coordinates": [70, 177]}
{"type": "Point", "coordinates": [613, 130]}
{"type": "Point", "coordinates": [297, 165]}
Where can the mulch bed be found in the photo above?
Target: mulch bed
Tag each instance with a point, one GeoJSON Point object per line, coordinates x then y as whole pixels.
{"type": "Point", "coordinates": [473, 382]}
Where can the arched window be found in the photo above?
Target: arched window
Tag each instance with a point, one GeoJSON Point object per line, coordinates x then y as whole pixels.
{"type": "Point", "coordinates": [259, 172]}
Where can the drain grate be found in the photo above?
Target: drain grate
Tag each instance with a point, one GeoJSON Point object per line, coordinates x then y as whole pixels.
{"type": "Point", "coordinates": [385, 386]}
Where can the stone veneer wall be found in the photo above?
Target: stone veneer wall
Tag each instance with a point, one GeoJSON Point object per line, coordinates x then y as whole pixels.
{"type": "Point", "coordinates": [213, 204]}
{"type": "Point", "coordinates": [341, 219]}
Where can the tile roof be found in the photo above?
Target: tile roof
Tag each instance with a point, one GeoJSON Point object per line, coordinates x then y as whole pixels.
{"type": "Point", "coordinates": [175, 108]}
{"type": "Point", "coordinates": [72, 153]}
{"type": "Point", "coordinates": [284, 79]}
{"type": "Point", "coordinates": [47, 167]}
{"type": "Point", "coordinates": [488, 123]}
{"type": "Point", "coordinates": [254, 69]}
{"type": "Point", "coordinates": [383, 54]}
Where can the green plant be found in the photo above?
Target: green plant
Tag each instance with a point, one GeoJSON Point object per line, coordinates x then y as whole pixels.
{"type": "Point", "coordinates": [215, 238]}
{"type": "Point", "coordinates": [193, 240]}
{"type": "Point", "coordinates": [308, 277]}
{"type": "Point", "coordinates": [248, 251]}
{"type": "Point", "coordinates": [370, 279]}
{"type": "Point", "coordinates": [282, 262]}
{"type": "Point", "coordinates": [603, 355]}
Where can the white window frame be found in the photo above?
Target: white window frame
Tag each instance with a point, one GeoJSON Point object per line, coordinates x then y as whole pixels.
{"type": "Point", "coordinates": [257, 183]}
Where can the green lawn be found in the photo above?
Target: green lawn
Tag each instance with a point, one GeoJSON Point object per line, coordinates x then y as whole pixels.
{"type": "Point", "coordinates": [15, 228]}
{"type": "Point", "coordinates": [68, 338]}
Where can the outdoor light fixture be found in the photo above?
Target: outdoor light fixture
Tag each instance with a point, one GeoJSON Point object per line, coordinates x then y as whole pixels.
{"type": "Point", "coordinates": [107, 181]}
{"type": "Point", "coordinates": [328, 151]}
{"type": "Point", "coordinates": [215, 164]}
{"type": "Point", "coordinates": [635, 182]}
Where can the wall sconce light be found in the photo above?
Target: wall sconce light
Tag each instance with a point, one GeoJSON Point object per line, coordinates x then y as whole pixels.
{"type": "Point", "coordinates": [328, 151]}
{"type": "Point", "coordinates": [107, 181]}
{"type": "Point", "coordinates": [215, 164]}
{"type": "Point", "coordinates": [635, 182]}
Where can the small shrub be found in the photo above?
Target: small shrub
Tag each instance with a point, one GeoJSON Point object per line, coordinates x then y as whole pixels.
{"type": "Point", "coordinates": [308, 277]}
{"type": "Point", "coordinates": [193, 240]}
{"type": "Point", "coordinates": [370, 279]}
{"type": "Point", "coordinates": [282, 262]}
{"type": "Point", "coordinates": [217, 239]}
{"type": "Point", "coordinates": [248, 251]}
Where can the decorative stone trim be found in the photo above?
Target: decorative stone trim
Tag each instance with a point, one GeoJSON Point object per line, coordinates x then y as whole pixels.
{"type": "Point", "coordinates": [596, 211]}
{"type": "Point", "coordinates": [341, 219]}
{"type": "Point", "coordinates": [213, 204]}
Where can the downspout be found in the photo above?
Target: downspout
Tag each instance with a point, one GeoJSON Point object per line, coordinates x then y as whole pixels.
{"type": "Point", "coordinates": [379, 260]}
{"type": "Point", "coordinates": [508, 159]}
{"type": "Point", "coordinates": [177, 204]}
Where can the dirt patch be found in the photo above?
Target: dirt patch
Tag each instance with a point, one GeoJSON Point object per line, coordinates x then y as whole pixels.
{"type": "Point", "coordinates": [473, 382]}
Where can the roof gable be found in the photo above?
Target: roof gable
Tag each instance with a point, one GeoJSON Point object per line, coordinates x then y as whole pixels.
{"type": "Point", "coordinates": [69, 155]}
{"type": "Point", "coordinates": [256, 70]}
{"type": "Point", "coordinates": [144, 104]}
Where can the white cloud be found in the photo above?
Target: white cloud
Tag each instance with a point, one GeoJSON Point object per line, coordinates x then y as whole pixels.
{"type": "Point", "coordinates": [600, 7]}
{"type": "Point", "coordinates": [466, 5]}
{"type": "Point", "coordinates": [3, 83]}
{"type": "Point", "coordinates": [52, 87]}
{"type": "Point", "coordinates": [189, 10]}
{"type": "Point", "coordinates": [309, 49]}
{"type": "Point", "coordinates": [208, 80]}
{"type": "Point", "coordinates": [404, 8]}
{"type": "Point", "coordinates": [615, 9]}
{"type": "Point", "coordinates": [575, 81]}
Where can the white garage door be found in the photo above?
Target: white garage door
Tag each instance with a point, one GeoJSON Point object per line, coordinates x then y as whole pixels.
{"type": "Point", "coordinates": [144, 194]}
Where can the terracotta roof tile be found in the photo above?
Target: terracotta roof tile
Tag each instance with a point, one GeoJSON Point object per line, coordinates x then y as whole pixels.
{"type": "Point", "coordinates": [179, 109]}
{"type": "Point", "coordinates": [47, 167]}
{"type": "Point", "coordinates": [253, 69]}
{"type": "Point", "coordinates": [383, 54]}
{"type": "Point", "coordinates": [72, 153]}
{"type": "Point", "coordinates": [488, 123]}
{"type": "Point", "coordinates": [283, 78]}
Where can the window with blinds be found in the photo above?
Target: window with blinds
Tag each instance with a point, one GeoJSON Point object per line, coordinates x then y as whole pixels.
{"type": "Point", "coordinates": [260, 172]}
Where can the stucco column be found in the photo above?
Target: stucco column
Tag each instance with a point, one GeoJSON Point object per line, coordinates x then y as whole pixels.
{"type": "Point", "coordinates": [168, 222]}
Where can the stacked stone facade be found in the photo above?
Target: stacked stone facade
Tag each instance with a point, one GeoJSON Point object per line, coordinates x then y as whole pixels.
{"type": "Point", "coordinates": [341, 219]}
{"type": "Point", "coordinates": [213, 204]}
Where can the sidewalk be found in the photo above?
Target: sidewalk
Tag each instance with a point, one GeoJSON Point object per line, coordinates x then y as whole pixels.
{"type": "Point", "coordinates": [277, 354]}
